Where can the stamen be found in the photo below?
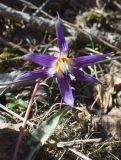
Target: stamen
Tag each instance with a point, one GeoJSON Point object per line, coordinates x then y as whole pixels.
{"type": "Point", "coordinates": [61, 66]}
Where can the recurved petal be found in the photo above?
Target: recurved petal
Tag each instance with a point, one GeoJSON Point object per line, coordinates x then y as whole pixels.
{"type": "Point", "coordinates": [65, 90]}
{"type": "Point", "coordinates": [79, 75]}
{"type": "Point", "coordinates": [42, 59]}
{"type": "Point", "coordinates": [62, 44]}
{"type": "Point", "coordinates": [84, 61]}
{"type": "Point", "coordinates": [42, 73]}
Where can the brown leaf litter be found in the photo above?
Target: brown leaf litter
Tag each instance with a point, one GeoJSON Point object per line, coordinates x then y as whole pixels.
{"type": "Point", "coordinates": [112, 122]}
{"type": "Point", "coordinates": [111, 108]}
{"type": "Point", "coordinates": [112, 83]}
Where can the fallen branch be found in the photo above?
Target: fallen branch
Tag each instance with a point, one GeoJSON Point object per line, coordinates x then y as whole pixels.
{"type": "Point", "coordinates": [47, 24]}
{"type": "Point", "coordinates": [36, 22]}
{"type": "Point", "coordinates": [32, 21]}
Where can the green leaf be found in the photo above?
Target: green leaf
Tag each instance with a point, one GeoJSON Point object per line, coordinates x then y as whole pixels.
{"type": "Point", "coordinates": [37, 139]}
{"type": "Point", "coordinates": [22, 103]}
{"type": "Point", "coordinates": [10, 97]}
{"type": "Point", "coordinates": [11, 105]}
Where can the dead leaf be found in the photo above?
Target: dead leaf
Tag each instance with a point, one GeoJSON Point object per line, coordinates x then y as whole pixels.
{"type": "Point", "coordinates": [115, 71]}
{"type": "Point", "coordinates": [103, 94]}
{"type": "Point", "coordinates": [112, 123]}
{"type": "Point", "coordinates": [118, 98]}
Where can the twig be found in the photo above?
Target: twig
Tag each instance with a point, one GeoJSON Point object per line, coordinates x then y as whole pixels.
{"type": "Point", "coordinates": [71, 143]}
{"type": "Point", "coordinates": [62, 155]}
{"type": "Point", "coordinates": [28, 4]}
{"type": "Point", "coordinates": [116, 158]}
{"type": "Point", "coordinates": [104, 144]}
{"type": "Point", "coordinates": [11, 44]}
{"type": "Point", "coordinates": [41, 7]}
{"type": "Point", "coordinates": [13, 82]}
{"type": "Point", "coordinates": [107, 60]}
{"type": "Point", "coordinates": [17, 116]}
{"type": "Point", "coordinates": [25, 120]}
{"type": "Point", "coordinates": [33, 6]}
{"type": "Point", "coordinates": [117, 5]}
{"type": "Point", "coordinates": [51, 108]}
{"type": "Point", "coordinates": [79, 154]}
{"type": "Point", "coordinates": [100, 40]}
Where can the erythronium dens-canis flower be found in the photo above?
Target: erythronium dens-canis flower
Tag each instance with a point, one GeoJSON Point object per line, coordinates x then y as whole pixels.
{"type": "Point", "coordinates": [62, 66]}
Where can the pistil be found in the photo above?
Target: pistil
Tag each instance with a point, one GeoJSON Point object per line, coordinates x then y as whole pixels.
{"type": "Point", "coordinates": [62, 65]}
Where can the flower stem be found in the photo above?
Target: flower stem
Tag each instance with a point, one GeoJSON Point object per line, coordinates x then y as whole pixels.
{"type": "Point", "coordinates": [25, 120]}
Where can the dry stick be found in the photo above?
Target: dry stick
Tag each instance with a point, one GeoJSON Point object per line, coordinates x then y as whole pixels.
{"type": "Point", "coordinates": [107, 60]}
{"type": "Point", "coordinates": [117, 5]}
{"type": "Point", "coordinates": [16, 115]}
{"type": "Point", "coordinates": [25, 120]}
{"type": "Point", "coordinates": [33, 6]}
{"type": "Point", "coordinates": [13, 45]}
{"type": "Point", "coordinates": [28, 4]}
{"type": "Point", "coordinates": [100, 40]}
{"type": "Point", "coordinates": [40, 8]}
{"type": "Point", "coordinates": [79, 154]}
{"type": "Point", "coordinates": [70, 143]}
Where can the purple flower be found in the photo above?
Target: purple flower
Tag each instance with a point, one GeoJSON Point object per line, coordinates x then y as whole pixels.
{"type": "Point", "coordinates": [62, 67]}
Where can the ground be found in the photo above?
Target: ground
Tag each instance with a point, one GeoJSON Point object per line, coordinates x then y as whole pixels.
{"type": "Point", "coordinates": [90, 27]}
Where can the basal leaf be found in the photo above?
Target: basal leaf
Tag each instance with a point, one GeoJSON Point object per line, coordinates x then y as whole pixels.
{"type": "Point", "coordinates": [37, 139]}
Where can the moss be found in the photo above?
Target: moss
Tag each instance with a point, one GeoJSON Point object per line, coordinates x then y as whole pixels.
{"type": "Point", "coordinates": [93, 16]}
{"type": "Point", "coordinates": [6, 54]}
{"type": "Point", "coordinates": [88, 18]}
{"type": "Point", "coordinates": [4, 57]}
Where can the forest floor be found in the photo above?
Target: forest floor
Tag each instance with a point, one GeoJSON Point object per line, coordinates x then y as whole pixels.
{"type": "Point", "coordinates": [90, 27]}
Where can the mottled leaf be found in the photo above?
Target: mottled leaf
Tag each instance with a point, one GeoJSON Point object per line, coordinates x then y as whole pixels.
{"type": "Point", "coordinates": [37, 139]}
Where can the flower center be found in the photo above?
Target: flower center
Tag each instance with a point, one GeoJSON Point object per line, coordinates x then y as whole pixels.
{"type": "Point", "coordinates": [62, 65]}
